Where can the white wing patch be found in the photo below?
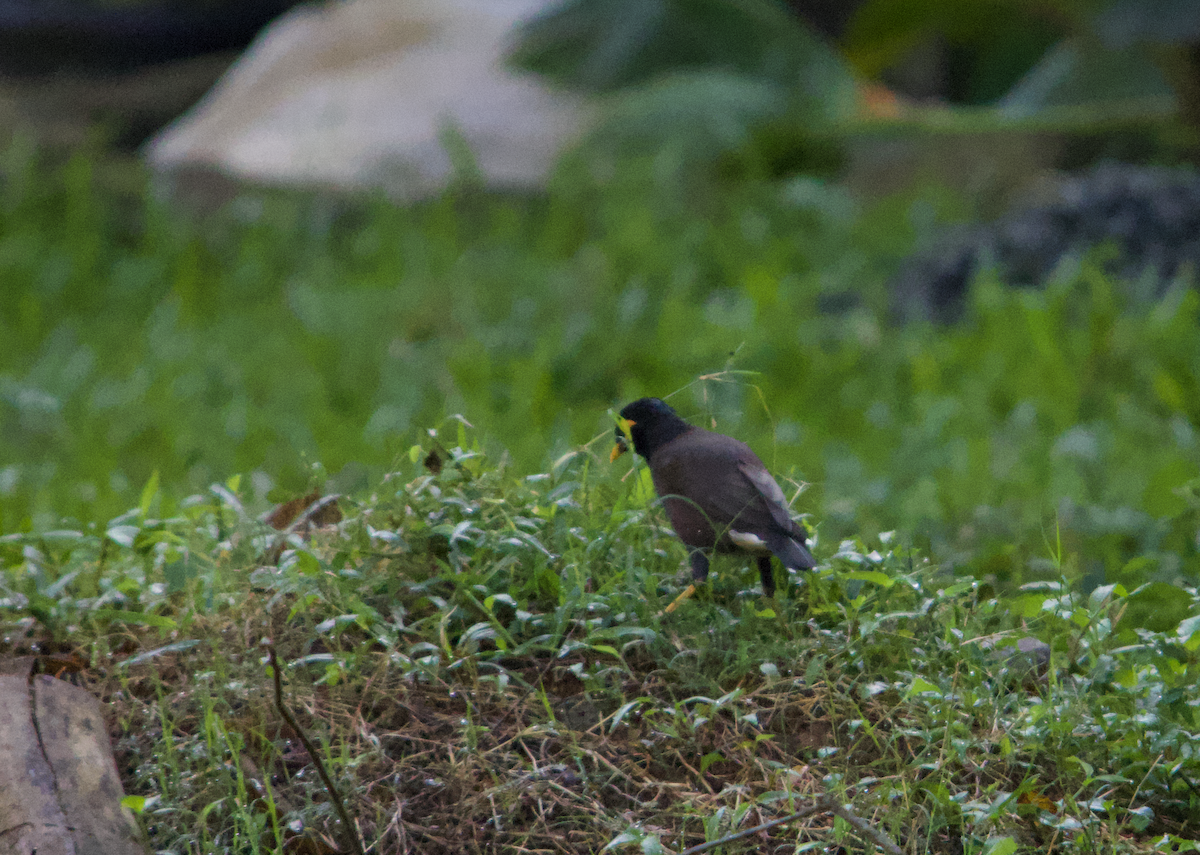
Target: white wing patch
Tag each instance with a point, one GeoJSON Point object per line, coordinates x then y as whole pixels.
{"type": "Point", "coordinates": [747, 541]}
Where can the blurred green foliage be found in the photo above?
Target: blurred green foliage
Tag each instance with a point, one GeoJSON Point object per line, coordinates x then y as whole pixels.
{"type": "Point", "coordinates": [603, 45]}
{"type": "Point", "coordinates": [743, 84]}
{"type": "Point", "coordinates": [282, 334]}
{"type": "Point", "coordinates": [755, 87]}
{"type": "Point", "coordinates": [986, 44]}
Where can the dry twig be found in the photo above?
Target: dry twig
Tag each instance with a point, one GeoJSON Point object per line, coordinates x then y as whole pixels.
{"type": "Point", "coordinates": [352, 839]}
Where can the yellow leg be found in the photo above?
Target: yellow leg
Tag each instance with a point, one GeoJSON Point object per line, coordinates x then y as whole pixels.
{"type": "Point", "coordinates": [687, 592]}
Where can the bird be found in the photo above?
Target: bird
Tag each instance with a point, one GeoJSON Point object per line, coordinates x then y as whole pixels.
{"type": "Point", "coordinates": [717, 493]}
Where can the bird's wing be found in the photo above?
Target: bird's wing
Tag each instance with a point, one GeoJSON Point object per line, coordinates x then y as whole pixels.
{"type": "Point", "coordinates": [724, 479]}
{"type": "Point", "coordinates": [771, 495]}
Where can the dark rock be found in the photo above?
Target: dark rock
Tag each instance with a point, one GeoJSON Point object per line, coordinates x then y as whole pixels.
{"type": "Point", "coordinates": [52, 36]}
{"type": "Point", "coordinates": [1149, 216]}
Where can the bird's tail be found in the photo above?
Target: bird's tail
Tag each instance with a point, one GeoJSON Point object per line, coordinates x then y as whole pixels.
{"type": "Point", "coordinates": [793, 553]}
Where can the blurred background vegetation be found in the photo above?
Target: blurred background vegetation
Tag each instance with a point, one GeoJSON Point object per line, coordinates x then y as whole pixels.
{"type": "Point", "coordinates": [730, 231]}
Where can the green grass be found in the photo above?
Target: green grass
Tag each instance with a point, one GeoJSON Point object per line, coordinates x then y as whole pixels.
{"type": "Point", "coordinates": [295, 342]}
{"type": "Point", "coordinates": [479, 652]}
{"type": "Point", "coordinates": [480, 657]}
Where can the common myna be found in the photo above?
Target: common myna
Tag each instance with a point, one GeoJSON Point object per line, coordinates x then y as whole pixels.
{"type": "Point", "coordinates": [717, 493]}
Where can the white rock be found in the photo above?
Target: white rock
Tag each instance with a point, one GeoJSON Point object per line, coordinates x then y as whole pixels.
{"type": "Point", "coordinates": [362, 94]}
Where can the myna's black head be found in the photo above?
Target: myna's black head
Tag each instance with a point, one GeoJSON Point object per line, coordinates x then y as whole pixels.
{"type": "Point", "coordinates": [652, 424]}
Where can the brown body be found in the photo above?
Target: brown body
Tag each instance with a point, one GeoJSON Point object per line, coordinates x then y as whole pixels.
{"type": "Point", "coordinates": [717, 494]}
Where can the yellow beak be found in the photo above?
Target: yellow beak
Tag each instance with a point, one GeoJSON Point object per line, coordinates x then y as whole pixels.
{"type": "Point", "coordinates": [622, 441]}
